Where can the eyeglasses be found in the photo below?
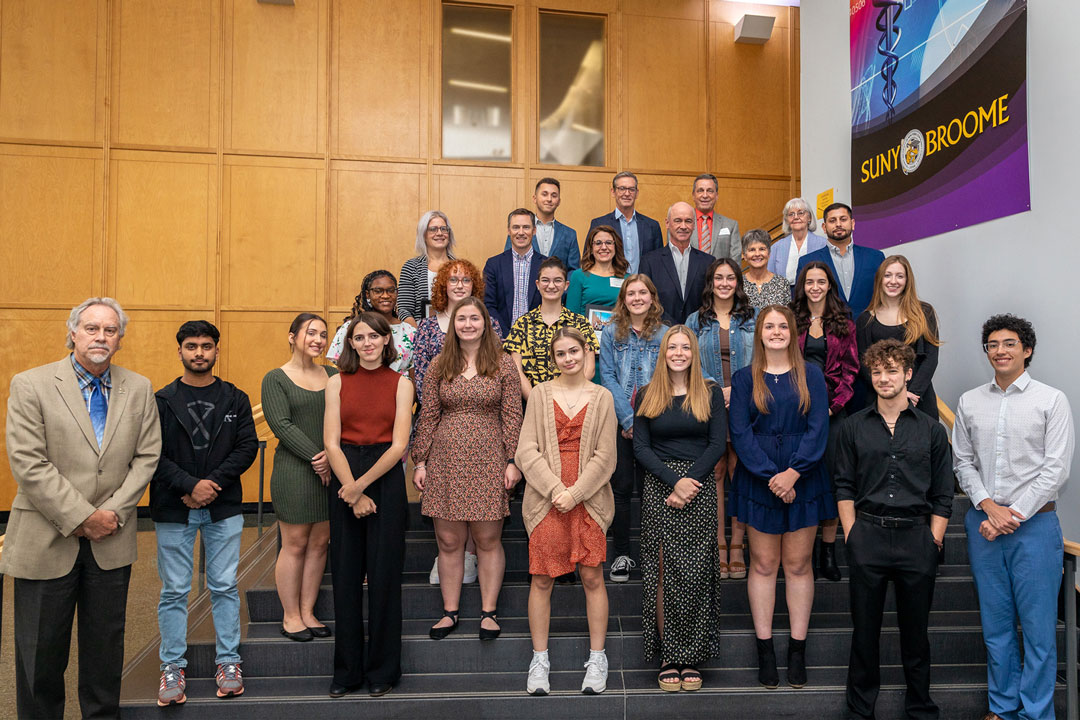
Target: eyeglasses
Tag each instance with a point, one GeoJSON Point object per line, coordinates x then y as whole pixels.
{"type": "Point", "coordinates": [439, 230]}
{"type": "Point", "coordinates": [797, 213]}
{"type": "Point", "coordinates": [382, 291]}
{"type": "Point", "coordinates": [459, 281]}
{"type": "Point", "coordinates": [551, 282]}
{"type": "Point", "coordinates": [625, 190]}
{"type": "Point", "coordinates": [603, 243]}
{"type": "Point", "coordinates": [995, 345]}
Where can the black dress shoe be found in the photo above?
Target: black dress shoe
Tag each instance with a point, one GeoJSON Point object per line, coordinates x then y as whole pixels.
{"type": "Point", "coordinates": [302, 636]}
{"type": "Point", "coordinates": [826, 565]}
{"type": "Point", "coordinates": [320, 632]}
{"type": "Point", "coordinates": [379, 689]}
{"type": "Point", "coordinates": [337, 690]}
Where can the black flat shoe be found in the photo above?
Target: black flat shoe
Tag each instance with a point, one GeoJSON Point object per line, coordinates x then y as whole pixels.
{"type": "Point", "coordinates": [320, 632]}
{"type": "Point", "coordinates": [438, 633]}
{"type": "Point", "coordinates": [486, 634]}
{"type": "Point", "coordinates": [337, 690]}
{"type": "Point", "coordinates": [304, 635]}
{"type": "Point", "coordinates": [380, 689]}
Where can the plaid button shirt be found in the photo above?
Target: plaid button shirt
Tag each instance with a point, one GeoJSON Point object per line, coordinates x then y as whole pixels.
{"type": "Point", "coordinates": [86, 381]}
{"type": "Point", "coordinates": [521, 283]}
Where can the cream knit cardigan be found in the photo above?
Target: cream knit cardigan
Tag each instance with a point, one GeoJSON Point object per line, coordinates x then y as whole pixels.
{"type": "Point", "coordinates": [539, 460]}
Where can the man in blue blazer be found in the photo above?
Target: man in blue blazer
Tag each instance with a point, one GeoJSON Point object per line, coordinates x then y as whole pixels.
{"type": "Point", "coordinates": [510, 277]}
{"type": "Point", "coordinates": [552, 238]}
{"type": "Point", "coordinates": [678, 270]}
{"type": "Point", "coordinates": [639, 234]}
{"type": "Point", "coordinates": [853, 266]}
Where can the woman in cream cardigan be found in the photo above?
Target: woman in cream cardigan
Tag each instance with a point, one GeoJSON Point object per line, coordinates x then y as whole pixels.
{"type": "Point", "coordinates": [567, 453]}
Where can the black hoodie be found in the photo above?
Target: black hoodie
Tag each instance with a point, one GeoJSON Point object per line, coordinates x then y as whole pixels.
{"type": "Point", "coordinates": [233, 447]}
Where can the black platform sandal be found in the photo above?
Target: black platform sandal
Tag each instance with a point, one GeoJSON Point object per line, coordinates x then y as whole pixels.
{"type": "Point", "coordinates": [486, 634]}
{"type": "Point", "coordinates": [438, 633]}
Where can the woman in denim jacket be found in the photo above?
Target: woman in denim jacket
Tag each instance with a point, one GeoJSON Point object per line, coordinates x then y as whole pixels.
{"type": "Point", "coordinates": [629, 349]}
{"type": "Point", "coordinates": [724, 326]}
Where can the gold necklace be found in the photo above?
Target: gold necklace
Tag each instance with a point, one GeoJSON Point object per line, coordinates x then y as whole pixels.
{"type": "Point", "coordinates": [566, 398]}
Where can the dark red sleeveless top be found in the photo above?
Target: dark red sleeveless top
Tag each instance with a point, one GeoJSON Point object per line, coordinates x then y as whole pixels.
{"type": "Point", "coordinates": [368, 406]}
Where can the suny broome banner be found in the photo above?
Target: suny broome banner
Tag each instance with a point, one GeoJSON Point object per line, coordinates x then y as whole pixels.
{"type": "Point", "coordinates": [938, 116]}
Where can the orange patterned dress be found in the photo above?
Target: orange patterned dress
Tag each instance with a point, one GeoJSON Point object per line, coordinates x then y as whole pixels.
{"type": "Point", "coordinates": [562, 540]}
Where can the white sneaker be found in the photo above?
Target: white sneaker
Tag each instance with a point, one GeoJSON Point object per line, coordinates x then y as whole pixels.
{"type": "Point", "coordinates": [596, 669]}
{"type": "Point", "coordinates": [620, 569]}
{"type": "Point", "coordinates": [433, 576]}
{"type": "Point", "coordinates": [470, 568]}
{"type": "Point", "coordinates": [538, 675]}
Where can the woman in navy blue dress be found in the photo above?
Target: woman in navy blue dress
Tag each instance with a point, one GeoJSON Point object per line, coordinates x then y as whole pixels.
{"type": "Point", "coordinates": [779, 419]}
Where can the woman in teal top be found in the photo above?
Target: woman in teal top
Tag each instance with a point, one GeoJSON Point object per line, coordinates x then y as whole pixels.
{"type": "Point", "coordinates": [603, 269]}
{"type": "Point", "coordinates": [293, 400]}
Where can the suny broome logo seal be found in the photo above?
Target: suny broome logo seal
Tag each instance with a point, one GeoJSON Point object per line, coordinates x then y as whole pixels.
{"type": "Point", "coordinates": [913, 151]}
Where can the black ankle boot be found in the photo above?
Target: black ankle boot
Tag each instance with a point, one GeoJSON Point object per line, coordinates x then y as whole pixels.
{"type": "Point", "coordinates": [796, 663]}
{"type": "Point", "coordinates": [766, 660]}
{"type": "Point", "coordinates": [827, 561]}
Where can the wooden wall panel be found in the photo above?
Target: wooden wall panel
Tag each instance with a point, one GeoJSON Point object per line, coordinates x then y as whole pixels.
{"type": "Point", "coordinates": [28, 338]}
{"type": "Point", "coordinates": [273, 248]}
{"type": "Point", "coordinates": [665, 94]}
{"type": "Point", "coordinates": [364, 199]}
{"type": "Point", "coordinates": [50, 222]}
{"type": "Point", "coordinates": [52, 70]}
{"type": "Point", "coordinates": [380, 82]}
{"type": "Point", "coordinates": [163, 229]}
{"type": "Point", "coordinates": [275, 76]}
{"type": "Point", "coordinates": [740, 137]}
{"type": "Point", "coordinates": [166, 82]}
{"type": "Point", "coordinates": [583, 196]}
{"type": "Point", "coordinates": [479, 228]}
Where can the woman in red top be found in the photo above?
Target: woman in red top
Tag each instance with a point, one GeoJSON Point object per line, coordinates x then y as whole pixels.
{"type": "Point", "coordinates": [366, 431]}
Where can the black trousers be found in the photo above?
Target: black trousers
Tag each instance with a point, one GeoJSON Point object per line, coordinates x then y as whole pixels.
{"type": "Point", "coordinates": [373, 546]}
{"type": "Point", "coordinates": [908, 557]}
{"type": "Point", "coordinates": [44, 610]}
{"type": "Point", "coordinates": [628, 476]}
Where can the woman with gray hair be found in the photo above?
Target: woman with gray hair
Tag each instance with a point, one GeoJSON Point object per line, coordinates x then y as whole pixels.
{"type": "Point", "coordinates": [799, 239]}
{"type": "Point", "coordinates": [434, 246]}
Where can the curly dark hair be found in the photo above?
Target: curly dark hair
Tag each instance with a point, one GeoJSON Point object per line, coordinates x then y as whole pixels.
{"type": "Point", "coordinates": [889, 352]}
{"type": "Point", "coordinates": [1023, 329]}
{"type": "Point", "coordinates": [836, 320]}
{"type": "Point", "coordinates": [361, 302]}
{"type": "Point", "coordinates": [741, 309]}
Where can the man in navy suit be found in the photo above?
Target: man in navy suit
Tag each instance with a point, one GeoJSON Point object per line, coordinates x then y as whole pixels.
{"type": "Point", "coordinates": [853, 266]}
{"type": "Point", "coordinates": [678, 270]}
{"type": "Point", "coordinates": [510, 277]}
{"type": "Point", "coordinates": [639, 234]}
{"type": "Point", "coordinates": [552, 238]}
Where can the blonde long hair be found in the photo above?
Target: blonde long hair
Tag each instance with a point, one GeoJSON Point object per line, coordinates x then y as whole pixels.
{"type": "Point", "coordinates": [913, 312]}
{"type": "Point", "coordinates": [762, 394]}
{"type": "Point", "coordinates": [621, 316]}
{"type": "Point", "coordinates": [658, 393]}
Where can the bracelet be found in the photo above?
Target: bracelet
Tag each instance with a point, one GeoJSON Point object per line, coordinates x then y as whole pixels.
{"type": "Point", "coordinates": [421, 466]}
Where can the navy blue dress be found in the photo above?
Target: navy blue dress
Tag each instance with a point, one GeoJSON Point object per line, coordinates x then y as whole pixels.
{"type": "Point", "coordinates": [767, 444]}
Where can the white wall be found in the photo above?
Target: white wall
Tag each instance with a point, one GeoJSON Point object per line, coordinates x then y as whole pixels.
{"type": "Point", "coordinates": [1026, 264]}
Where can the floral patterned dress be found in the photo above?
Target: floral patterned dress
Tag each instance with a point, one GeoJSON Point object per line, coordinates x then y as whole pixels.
{"type": "Point", "coordinates": [403, 334]}
{"type": "Point", "coordinates": [468, 432]}
{"type": "Point", "coordinates": [562, 540]}
{"type": "Point", "coordinates": [426, 344]}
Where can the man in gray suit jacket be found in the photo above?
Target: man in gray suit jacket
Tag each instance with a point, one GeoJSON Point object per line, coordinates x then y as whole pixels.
{"type": "Point", "coordinates": [83, 441]}
{"type": "Point", "coordinates": [713, 233]}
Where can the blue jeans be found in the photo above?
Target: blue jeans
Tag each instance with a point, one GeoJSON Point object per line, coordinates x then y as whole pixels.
{"type": "Point", "coordinates": [176, 559]}
{"type": "Point", "coordinates": [1019, 574]}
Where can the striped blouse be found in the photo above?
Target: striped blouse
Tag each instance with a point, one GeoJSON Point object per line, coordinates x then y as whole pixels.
{"type": "Point", "coordinates": [413, 288]}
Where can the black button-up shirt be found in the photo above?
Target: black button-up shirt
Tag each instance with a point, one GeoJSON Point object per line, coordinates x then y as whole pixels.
{"type": "Point", "coordinates": [904, 474]}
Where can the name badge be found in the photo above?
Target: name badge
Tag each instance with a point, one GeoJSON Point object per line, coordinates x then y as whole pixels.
{"type": "Point", "coordinates": [616, 282]}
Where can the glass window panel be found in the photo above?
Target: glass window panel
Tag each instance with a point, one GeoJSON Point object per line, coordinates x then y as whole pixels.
{"type": "Point", "coordinates": [571, 89]}
{"type": "Point", "coordinates": [476, 44]}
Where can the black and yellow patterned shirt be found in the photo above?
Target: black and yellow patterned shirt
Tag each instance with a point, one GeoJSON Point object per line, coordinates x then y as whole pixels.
{"type": "Point", "coordinates": [531, 338]}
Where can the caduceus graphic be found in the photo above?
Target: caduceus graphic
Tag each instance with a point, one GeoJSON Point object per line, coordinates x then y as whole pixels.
{"type": "Point", "coordinates": [888, 42]}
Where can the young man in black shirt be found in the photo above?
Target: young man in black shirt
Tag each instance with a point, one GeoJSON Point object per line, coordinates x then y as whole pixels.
{"type": "Point", "coordinates": [208, 441]}
{"type": "Point", "coordinates": [894, 488]}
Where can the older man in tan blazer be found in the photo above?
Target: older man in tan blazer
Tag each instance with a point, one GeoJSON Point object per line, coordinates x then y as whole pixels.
{"type": "Point", "coordinates": [83, 441]}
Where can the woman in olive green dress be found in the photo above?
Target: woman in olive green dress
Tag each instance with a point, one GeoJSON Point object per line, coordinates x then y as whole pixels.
{"type": "Point", "coordinates": [293, 403]}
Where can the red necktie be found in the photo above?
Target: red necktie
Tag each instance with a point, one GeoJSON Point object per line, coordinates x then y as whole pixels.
{"type": "Point", "coordinates": [705, 234]}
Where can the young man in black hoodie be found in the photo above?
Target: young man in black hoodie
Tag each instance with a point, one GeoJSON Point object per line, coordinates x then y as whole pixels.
{"type": "Point", "coordinates": [208, 441]}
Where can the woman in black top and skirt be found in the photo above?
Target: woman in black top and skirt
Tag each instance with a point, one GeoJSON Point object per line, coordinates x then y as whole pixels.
{"type": "Point", "coordinates": [680, 433]}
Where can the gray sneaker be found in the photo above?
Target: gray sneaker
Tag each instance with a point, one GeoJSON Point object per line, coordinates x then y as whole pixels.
{"type": "Point", "coordinates": [538, 676]}
{"type": "Point", "coordinates": [172, 687]}
{"type": "Point", "coordinates": [230, 680]}
{"type": "Point", "coordinates": [620, 569]}
{"type": "Point", "coordinates": [596, 669]}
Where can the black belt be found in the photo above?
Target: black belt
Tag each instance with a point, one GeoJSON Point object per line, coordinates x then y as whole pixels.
{"type": "Point", "coordinates": [893, 522]}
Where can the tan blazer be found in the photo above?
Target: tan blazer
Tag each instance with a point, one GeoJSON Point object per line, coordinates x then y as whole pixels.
{"type": "Point", "coordinates": [63, 476]}
{"type": "Point", "coordinates": [539, 460]}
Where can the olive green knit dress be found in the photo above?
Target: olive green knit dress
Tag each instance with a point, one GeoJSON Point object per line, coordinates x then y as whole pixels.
{"type": "Point", "coordinates": [296, 417]}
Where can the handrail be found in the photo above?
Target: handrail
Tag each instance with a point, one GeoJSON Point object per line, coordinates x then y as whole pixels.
{"type": "Point", "coordinates": [946, 414]}
{"type": "Point", "coordinates": [262, 428]}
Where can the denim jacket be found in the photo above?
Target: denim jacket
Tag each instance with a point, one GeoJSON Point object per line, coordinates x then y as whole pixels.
{"type": "Point", "coordinates": [740, 340]}
{"type": "Point", "coordinates": [626, 365]}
